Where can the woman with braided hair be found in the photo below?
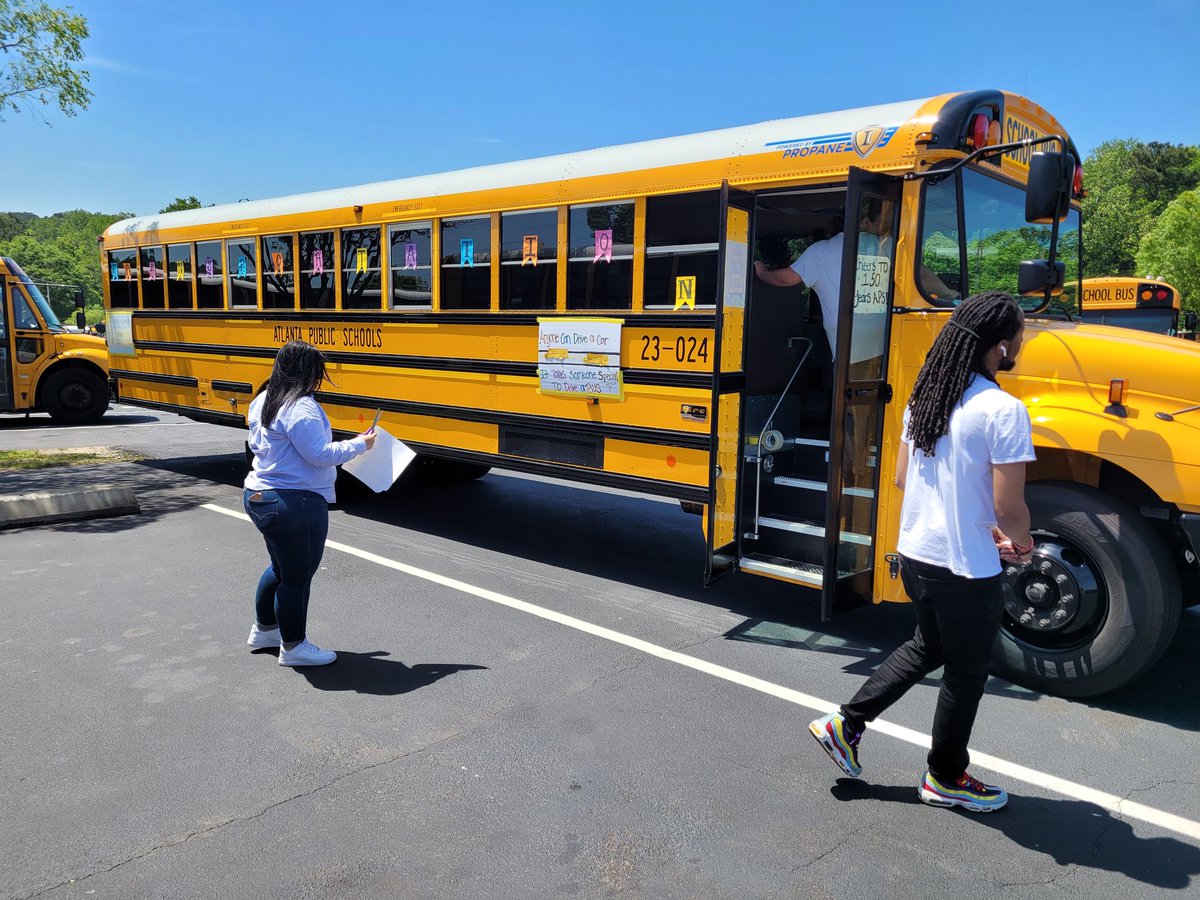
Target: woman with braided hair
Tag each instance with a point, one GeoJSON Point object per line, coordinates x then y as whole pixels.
{"type": "Point", "coordinates": [962, 469]}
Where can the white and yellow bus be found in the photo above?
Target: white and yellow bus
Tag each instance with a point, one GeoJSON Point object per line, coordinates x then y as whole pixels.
{"type": "Point", "coordinates": [1147, 304]}
{"type": "Point", "coordinates": [594, 316]}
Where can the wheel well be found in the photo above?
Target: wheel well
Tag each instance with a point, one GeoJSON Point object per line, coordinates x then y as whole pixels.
{"type": "Point", "coordinates": [1083, 468]}
{"type": "Point", "coordinates": [67, 364]}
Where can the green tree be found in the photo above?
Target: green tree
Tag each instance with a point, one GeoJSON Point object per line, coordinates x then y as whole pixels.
{"type": "Point", "coordinates": [1129, 183]}
{"type": "Point", "coordinates": [1171, 248]}
{"type": "Point", "coordinates": [181, 203]}
{"type": "Point", "coordinates": [39, 47]}
{"type": "Point", "coordinates": [62, 248]}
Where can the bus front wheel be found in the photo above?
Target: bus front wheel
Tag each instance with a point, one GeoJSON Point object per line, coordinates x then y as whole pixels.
{"type": "Point", "coordinates": [75, 396]}
{"type": "Point", "coordinates": [1099, 603]}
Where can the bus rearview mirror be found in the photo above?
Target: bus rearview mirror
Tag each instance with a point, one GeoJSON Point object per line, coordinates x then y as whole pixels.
{"type": "Point", "coordinates": [1048, 191]}
{"type": "Point", "coordinates": [80, 320]}
{"type": "Point", "coordinates": [78, 299]}
{"type": "Point", "coordinates": [1035, 275]}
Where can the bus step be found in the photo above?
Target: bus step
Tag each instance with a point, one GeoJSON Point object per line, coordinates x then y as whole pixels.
{"type": "Point", "coordinates": [783, 569]}
{"type": "Point", "coordinates": [813, 529]}
{"type": "Point", "coordinates": [809, 485]}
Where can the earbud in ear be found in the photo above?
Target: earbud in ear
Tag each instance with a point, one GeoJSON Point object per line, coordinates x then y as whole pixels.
{"type": "Point", "coordinates": [1003, 350]}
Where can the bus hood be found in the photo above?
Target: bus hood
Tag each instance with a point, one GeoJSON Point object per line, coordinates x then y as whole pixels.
{"type": "Point", "coordinates": [1162, 373]}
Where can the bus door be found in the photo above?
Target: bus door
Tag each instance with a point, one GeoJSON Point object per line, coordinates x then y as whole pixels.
{"type": "Point", "coordinates": [729, 382]}
{"type": "Point", "coordinates": [31, 344]}
{"type": "Point", "coordinates": [860, 389]}
{"type": "Point", "coordinates": [6, 374]}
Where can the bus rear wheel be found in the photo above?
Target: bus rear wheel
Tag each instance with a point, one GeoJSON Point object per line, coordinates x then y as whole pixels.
{"type": "Point", "coordinates": [1099, 603]}
{"type": "Point", "coordinates": [75, 396]}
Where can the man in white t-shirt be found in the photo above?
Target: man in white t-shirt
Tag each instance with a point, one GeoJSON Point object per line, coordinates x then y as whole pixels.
{"type": "Point", "coordinates": [962, 469]}
{"type": "Point", "coordinates": [820, 268]}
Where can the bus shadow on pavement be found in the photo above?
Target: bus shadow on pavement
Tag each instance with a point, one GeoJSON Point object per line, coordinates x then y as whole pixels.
{"type": "Point", "coordinates": [1074, 832]}
{"type": "Point", "coordinates": [370, 673]}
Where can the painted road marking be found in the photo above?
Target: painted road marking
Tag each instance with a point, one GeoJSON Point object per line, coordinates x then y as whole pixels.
{"type": "Point", "coordinates": [1111, 802]}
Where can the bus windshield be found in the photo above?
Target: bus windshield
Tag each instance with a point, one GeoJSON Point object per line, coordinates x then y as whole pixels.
{"type": "Point", "coordinates": [35, 295]}
{"type": "Point", "coordinates": [984, 250]}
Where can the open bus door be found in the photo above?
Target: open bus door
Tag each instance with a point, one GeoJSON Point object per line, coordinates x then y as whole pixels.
{"type": "Point", "coordinates": [860, 389]}
{"type": "Point", "coordinates": [729, 382]}
{"type": "Point", "coordinates": [6, 373]}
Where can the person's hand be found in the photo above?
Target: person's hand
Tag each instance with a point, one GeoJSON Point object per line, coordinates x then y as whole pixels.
{"type": "Point", "coordinates": [759, 267]}
{"type": "Point", "coordinates": [369, 437]}
{"type": "Point", "coordinates": [1012, 552]}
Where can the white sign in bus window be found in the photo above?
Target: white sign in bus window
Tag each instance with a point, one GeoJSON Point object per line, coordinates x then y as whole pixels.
{"type": "Point", "coordinates": [118, 332]}
{"type": "Point", "coordinates": [580, 357]}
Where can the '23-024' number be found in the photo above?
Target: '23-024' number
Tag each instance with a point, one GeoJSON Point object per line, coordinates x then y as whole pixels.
{"type": "Point", "coordinates": [685, 349]}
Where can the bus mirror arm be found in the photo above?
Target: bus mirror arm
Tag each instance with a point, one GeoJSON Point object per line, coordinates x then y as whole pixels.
{"type": "Point", "coordinates": [1170, 417]}
{"type": "Point", "coordinates": [936, 175]}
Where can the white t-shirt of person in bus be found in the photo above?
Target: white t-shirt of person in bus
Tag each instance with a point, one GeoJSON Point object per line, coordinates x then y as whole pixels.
{"type": "Point", "coordinates": [949, 502]}
{"type": "Point", "coordinates": [820, 267]}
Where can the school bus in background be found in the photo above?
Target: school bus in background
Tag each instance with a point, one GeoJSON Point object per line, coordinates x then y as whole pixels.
{"type": "Point", "coordinates": [43, 366]}
{"type": "Point", "coordinates": [1147, 304]}
{"type": "Point", "coordinates": [594, 316]}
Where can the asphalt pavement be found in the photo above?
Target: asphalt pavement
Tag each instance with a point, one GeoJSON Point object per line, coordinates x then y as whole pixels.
{"type": "Point", "coordinates": [534, 697]}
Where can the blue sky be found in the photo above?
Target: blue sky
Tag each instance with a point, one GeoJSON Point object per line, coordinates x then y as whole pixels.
{"type": "Point", "coordinates": [231, 99]}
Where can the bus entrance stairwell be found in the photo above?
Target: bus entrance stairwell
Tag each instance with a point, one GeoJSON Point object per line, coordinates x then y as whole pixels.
{"type": "Point", "coordinates": [789, 377]}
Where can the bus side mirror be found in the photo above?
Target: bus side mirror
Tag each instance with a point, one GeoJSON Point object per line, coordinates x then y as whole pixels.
{"type": "Point", "coordinates": [1048, 191]}
{"type": "Point", "coordinates": [78, 299]}
{"type": "Point", "coordinates": [1035, 275]}
{"type": "Point", "coordinates": [80, 320]}
{"type": "Point", "coordinates": [1189, 321]}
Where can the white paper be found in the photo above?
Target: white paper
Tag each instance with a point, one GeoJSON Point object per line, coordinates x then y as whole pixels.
{"type": "Point", "coordinates": [380, 466]}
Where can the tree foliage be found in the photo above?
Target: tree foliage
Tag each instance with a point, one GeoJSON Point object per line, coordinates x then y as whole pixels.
{"type": "Point", "coordinates": [1171, 248]}
{"type": "Point", "coordinates": [181, 203]}
{"type": "Point", "coordinates": [40, 46]}
{"type": "Point", "coordinates": [61, 248]}
{"type": "Point", "coordinates": [1129, 184]}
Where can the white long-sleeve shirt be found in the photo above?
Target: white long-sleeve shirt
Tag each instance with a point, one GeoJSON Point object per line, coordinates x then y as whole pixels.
{"type": "Point", "coordinates": [297, 451]}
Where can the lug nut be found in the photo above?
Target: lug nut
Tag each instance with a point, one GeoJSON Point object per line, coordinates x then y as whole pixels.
{"type": "Point", "coordinates": [1060, 578]}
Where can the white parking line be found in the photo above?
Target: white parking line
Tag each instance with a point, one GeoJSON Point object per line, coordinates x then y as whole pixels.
{"type": "Point", "coordinates": [1111, 802]}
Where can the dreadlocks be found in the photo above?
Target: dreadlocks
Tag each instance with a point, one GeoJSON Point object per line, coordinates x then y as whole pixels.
{"type": "Point", "coordinates": [981, 322]}
{"type": "Point", "coordinates": [299, 370]}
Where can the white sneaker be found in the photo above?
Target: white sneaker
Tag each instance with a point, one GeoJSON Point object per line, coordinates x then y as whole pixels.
{"type": "Point", "coordinates": [263, 637]}
{"type": "Point", "coordinates": [306, 653]}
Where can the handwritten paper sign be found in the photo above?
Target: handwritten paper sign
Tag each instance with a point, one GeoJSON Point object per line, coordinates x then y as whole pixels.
{"type": "Point", "coordinates": [871, 279]}
{"type": "Point", "coordinates": [580, 358]}
{"type": "Point", "coordinates": [119, 334]}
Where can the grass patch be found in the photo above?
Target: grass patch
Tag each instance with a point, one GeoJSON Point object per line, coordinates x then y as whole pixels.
{"type": "Point", "coordinates": [15, 460]}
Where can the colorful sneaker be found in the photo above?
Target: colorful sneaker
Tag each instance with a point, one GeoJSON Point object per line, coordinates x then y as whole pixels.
{"type": "Point", "coordinates": [261, 638]}
{"type": "Point", "coordinates": [967, 792]}
{"type": "Point", "coordinates": [306, 653]}
{"type": "Point", "coordinates": [839, 742]}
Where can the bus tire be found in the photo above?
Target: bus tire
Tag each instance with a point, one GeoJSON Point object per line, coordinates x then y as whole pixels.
{"type": "Point", "coordinates": [75, 396]}
{"type": "Point", "coordinates": [1099, 603]}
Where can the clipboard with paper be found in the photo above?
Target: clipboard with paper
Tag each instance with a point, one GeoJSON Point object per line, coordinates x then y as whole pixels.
{"type": "Point", "coordinates": [380, 466]}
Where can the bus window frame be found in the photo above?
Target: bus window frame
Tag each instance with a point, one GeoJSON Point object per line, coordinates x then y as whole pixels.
{"type": "Point", "coordinates": [432, 225]}
{"type": "Point", "coordinates": [964, 280]}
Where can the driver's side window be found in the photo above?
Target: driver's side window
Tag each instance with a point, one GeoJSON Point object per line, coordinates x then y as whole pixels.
{"type": "Point", "coordinates": [23, 317]}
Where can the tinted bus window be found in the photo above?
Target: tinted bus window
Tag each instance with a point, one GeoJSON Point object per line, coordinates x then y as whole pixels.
{"type": "Point", "coordinates": [179, 276]}
{"type": "Point", "coordinates": [529, 260]}
{"type": "Point", "coordinates": [317, 271]}
{"type": "Point", "coordinates": [596, 279]}
{"type": "Point", "coordinates": [466, 272]}
{"type": "Point", "coordinates": [682, 242]}
{"type": "Point", "coordinates": [361, 279]}
{"type": "Point", "coordinates": [410, 264]}
{"type": "Point", "coordinates": [243, 272]}
{"type": "Point", "coordinates": [154, 280]}
{"type": "Point", "coordinates": [210, 276]}
{"type": "Point", "coordinates": [122, 276]}
{"type": "Point", "coordinates": [279, 279]}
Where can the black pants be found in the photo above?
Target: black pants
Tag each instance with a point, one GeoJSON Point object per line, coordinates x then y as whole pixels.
{"type": "Point", "coordinates": [957, 623]}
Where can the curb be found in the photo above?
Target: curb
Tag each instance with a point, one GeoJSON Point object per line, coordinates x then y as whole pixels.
{"type": "Point", "coordinates": [23, 510]}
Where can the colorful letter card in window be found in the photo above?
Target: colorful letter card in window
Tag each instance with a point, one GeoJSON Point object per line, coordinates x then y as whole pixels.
{"type": "Point", "coordinates": [529, 249]}
{"type": "Point", "coordinates": [603, 245]}
{"type": "Point", "coordinates": [318, 262]}
{"type": "Point", "coordinates": [410, 256]}
{"type": "Point", "coordinates": [466, 251]}
{"type": "Point", "coordinates": [685, 292]}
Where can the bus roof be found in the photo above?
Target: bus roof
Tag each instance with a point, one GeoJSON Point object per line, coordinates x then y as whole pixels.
{"type": "Point", "coordinates": [806, 135]}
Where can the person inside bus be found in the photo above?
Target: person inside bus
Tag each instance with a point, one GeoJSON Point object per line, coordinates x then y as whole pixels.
{"type": "Point", "coordinates": [287, 496]}
{"type": "Point", "coordinates": [961, 465]}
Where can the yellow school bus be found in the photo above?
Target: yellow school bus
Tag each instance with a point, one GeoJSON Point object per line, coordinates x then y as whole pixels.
{"type": "Point", "coordinates": [43, 366]}
{"type": "Point", "coordinates": [1147, 304]}
{"type": "Point", "coordinates": [594, 316]}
